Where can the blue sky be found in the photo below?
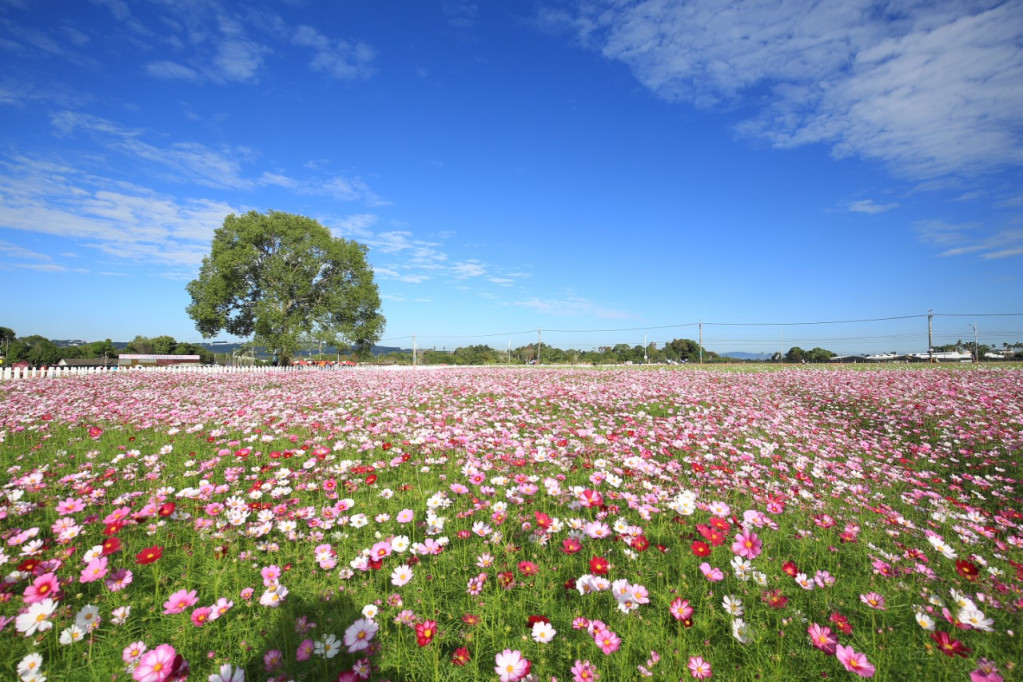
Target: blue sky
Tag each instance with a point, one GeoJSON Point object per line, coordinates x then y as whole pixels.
{"type": "Point", "coordinates": [560, 165]}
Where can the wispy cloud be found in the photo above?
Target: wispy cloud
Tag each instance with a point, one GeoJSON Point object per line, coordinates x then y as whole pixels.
{"type": "Point", "coordinates": [970, 238]}
{"type": "Point", "coordinates": [573, 306]}
{"type": "Point", "coordinates": [127, 222]}
{"type": "Point", "coordinates": [337, 58]}
{"type": "Point", "coordinates": [927, 88]}
{"type": "Point", "coordinates": [192, 162]}
{"type": "Point", "coordinates": [468, 269]}
{"type": "Point", "coordinates": [13, 251]}
{"type": "Point", "coordinates": [869, 206]}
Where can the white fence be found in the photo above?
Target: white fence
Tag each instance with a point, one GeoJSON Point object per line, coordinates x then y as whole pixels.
{"type": "Point", "coordinates": [11, 373]}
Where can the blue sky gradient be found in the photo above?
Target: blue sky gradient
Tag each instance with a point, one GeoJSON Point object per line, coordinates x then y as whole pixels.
{"type": "Point", "coordinates": [512, 166]}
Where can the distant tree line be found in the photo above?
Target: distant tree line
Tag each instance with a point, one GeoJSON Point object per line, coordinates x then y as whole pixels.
{"type": "Point", "coordinates": [675, 351]}
{"type": "Point", "coordinates": [38, 350]}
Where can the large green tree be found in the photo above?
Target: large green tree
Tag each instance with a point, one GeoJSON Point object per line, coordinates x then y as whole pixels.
{"type": "Point", "coordinates": [282, 277]}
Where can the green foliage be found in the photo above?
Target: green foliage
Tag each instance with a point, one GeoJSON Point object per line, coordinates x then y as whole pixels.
{"type": "Point", "coordinates": [281, 277]}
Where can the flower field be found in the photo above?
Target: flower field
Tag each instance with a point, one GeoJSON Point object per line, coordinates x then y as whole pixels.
{"type": "Point", "coordinates": [513, 524]}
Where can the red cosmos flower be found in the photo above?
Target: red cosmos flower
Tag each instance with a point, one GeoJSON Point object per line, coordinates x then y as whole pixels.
{"type": "Point", "coordinates": [949, 646]}
{"type": "Point", "coordinates": [599, 565]}
{"type": "Point", "coordinates": [425, 632]}
{"type": "Point", "coordinates": [715, 536]}
{"type": "Point", "coordinates": [111, 545]}
{"type": "Point", "coordinates": [29, 565]}
{"type": "Point", "coordinates": [463, 534]}
{"type": "Point", "coordinates": [720, 524]}
{"type": "Point", "coordinates": [700, 548]}
{"type": "Point", "coordinates": [506, 579]}
{"type": "Point", "coordinates": [371, 479]}
{"type": "Point", "coordinates": [112, 528]}
{"type": "Point", "coordinates": [790, 569]}
{"type": "Point", "coordinates": [774, 598]}
{"type": "Point", "coordinates": [460, 656]}
{"type": "Point", "coordinates": [386, 446]}
{"type": "Point", "coordinates": [542, 520]}
{"type": "Point", "coordinates": [967, 569]}
{"type": "Point", "coordinates": [528, 568]}
{"type": "Point", "coordinates": [570, 585]}
{"type": "Point", "coordinates": [841, 622]}
{"type": "Point", "coordinates": [166, 509]}
{"type": "Point", "coordinates": [95, 432]}
{"type": "Point", "coordinates": [470, 619]}
{"type": "Point", "coordinates": [663, 549]}
{"type": "Point", "coordinates": [149, 555]}
{"type": "Point", "coordinates": [376, 564]}
{"type": "Point", "coordinates": [534, 619]}
{"type": "Point", "coordinates": [640, 543]}
{"type": "Point", "coordinates": [571, 545]}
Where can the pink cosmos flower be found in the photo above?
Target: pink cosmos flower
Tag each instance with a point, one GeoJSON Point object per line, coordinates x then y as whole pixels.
{"type": "Point", "coordinates": [680, 609]}
{"type": "Point", "coordinates": [156, 665]}
{"type": "Point", "coordinates": [179, 601]}
{"type": "Point", "coordinates": [96, 569]}
{"type": "Point", "coordinates": [42, 587]}
{"type": "Point", "coordinates": [380, 550]}
{"type": "Point", "coordinates": [608, 641]}
{"type": "Point", "coordinates": [699, 668]}
{"type": "Point", "coordinates": [270, 574]}
{"type": "Point", "coordinates": [711, 574]}
{"type": "Point", "coordinates": [854, 662]}
{"type": "Point", "coordinates": [511, 666]}
{"type": "Point", "coordinates": [873, 600]}
{"type": "Point", "coordinates": [584, 671]}
{"type": "Point", "coordinates": [201, 616]}
{"type": "Point", "coordinates": [133, 652]}
{"type": "Point", "coordinates": [747, 545]}
{"type": "Point", "coordinates": [821, 637]}
{"type": "Point", "coordinates": [70, 506]}
{"type": "Point", "coordinates": [305, 650]}
{"type": "Point", "coordinates": [359, 634]}
{"type": "Point", "coordinates": [119, 580]}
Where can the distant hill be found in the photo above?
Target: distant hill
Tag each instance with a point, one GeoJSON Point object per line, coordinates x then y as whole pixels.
{"type": "Point", "coordinates": [740, 355]}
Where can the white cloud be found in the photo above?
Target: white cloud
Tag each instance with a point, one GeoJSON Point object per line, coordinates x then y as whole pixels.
{"type": "Point", "coordinates": [468, 269]}
{"type": "Point", "coordinates": [8, 250]}
{"type": "Point", "coordinates": [970, 238]}
{"type": "Point", "coordinates": [337, 58]}
{"type": "Point", "coordinates": [869, 206]}
{"type": "Point", "coordinates": [573, 306]}
{"type": "Point", "coordinates": [165, 68]}
{"type": "Point", "coordinates": [128, 222]}
{"type": "Point", "coordinates": [237, 57]}
{"type": "Point", "coordinates": [929, 88]}
{"type": "Point", "coordinates": [197, 163]}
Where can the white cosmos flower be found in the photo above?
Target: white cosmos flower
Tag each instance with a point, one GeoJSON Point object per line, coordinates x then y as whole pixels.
{"type": "Point", "coordinates": [543, 632]}
{"type": "Point", "coordinates": [732, 606]}
{"type": "Point", "coordinates": [36, 618]}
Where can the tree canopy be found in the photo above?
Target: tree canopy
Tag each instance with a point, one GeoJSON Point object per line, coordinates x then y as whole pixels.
{"type": "Point", "coordinates": [282, 278]}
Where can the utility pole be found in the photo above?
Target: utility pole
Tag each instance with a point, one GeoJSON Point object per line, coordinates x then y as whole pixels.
{"type": "Point", "coordinates": [539, 342]}
{"type": "Point", "coordinates": [781, 347]}
{"type": "Point", "coordinates": [644, 350]}
{"type": "Point", "coordinates": [930, 335]}
{"type": "Point", "coordinates": [413, 350]}
{"type": "Point", "coordinates": [701, 342]}
{"type": "Point", "coordinates": [976, 346]}
{"type": "Point", "coordinates": [509, 351]}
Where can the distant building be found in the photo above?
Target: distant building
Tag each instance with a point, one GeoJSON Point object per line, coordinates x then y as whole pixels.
{"type": "Point", "coordinates": [87, 362]}
{"type": "Point", "coordinates": [941, 356]}
{"type": "Point", "coordinates": [151, 360]}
